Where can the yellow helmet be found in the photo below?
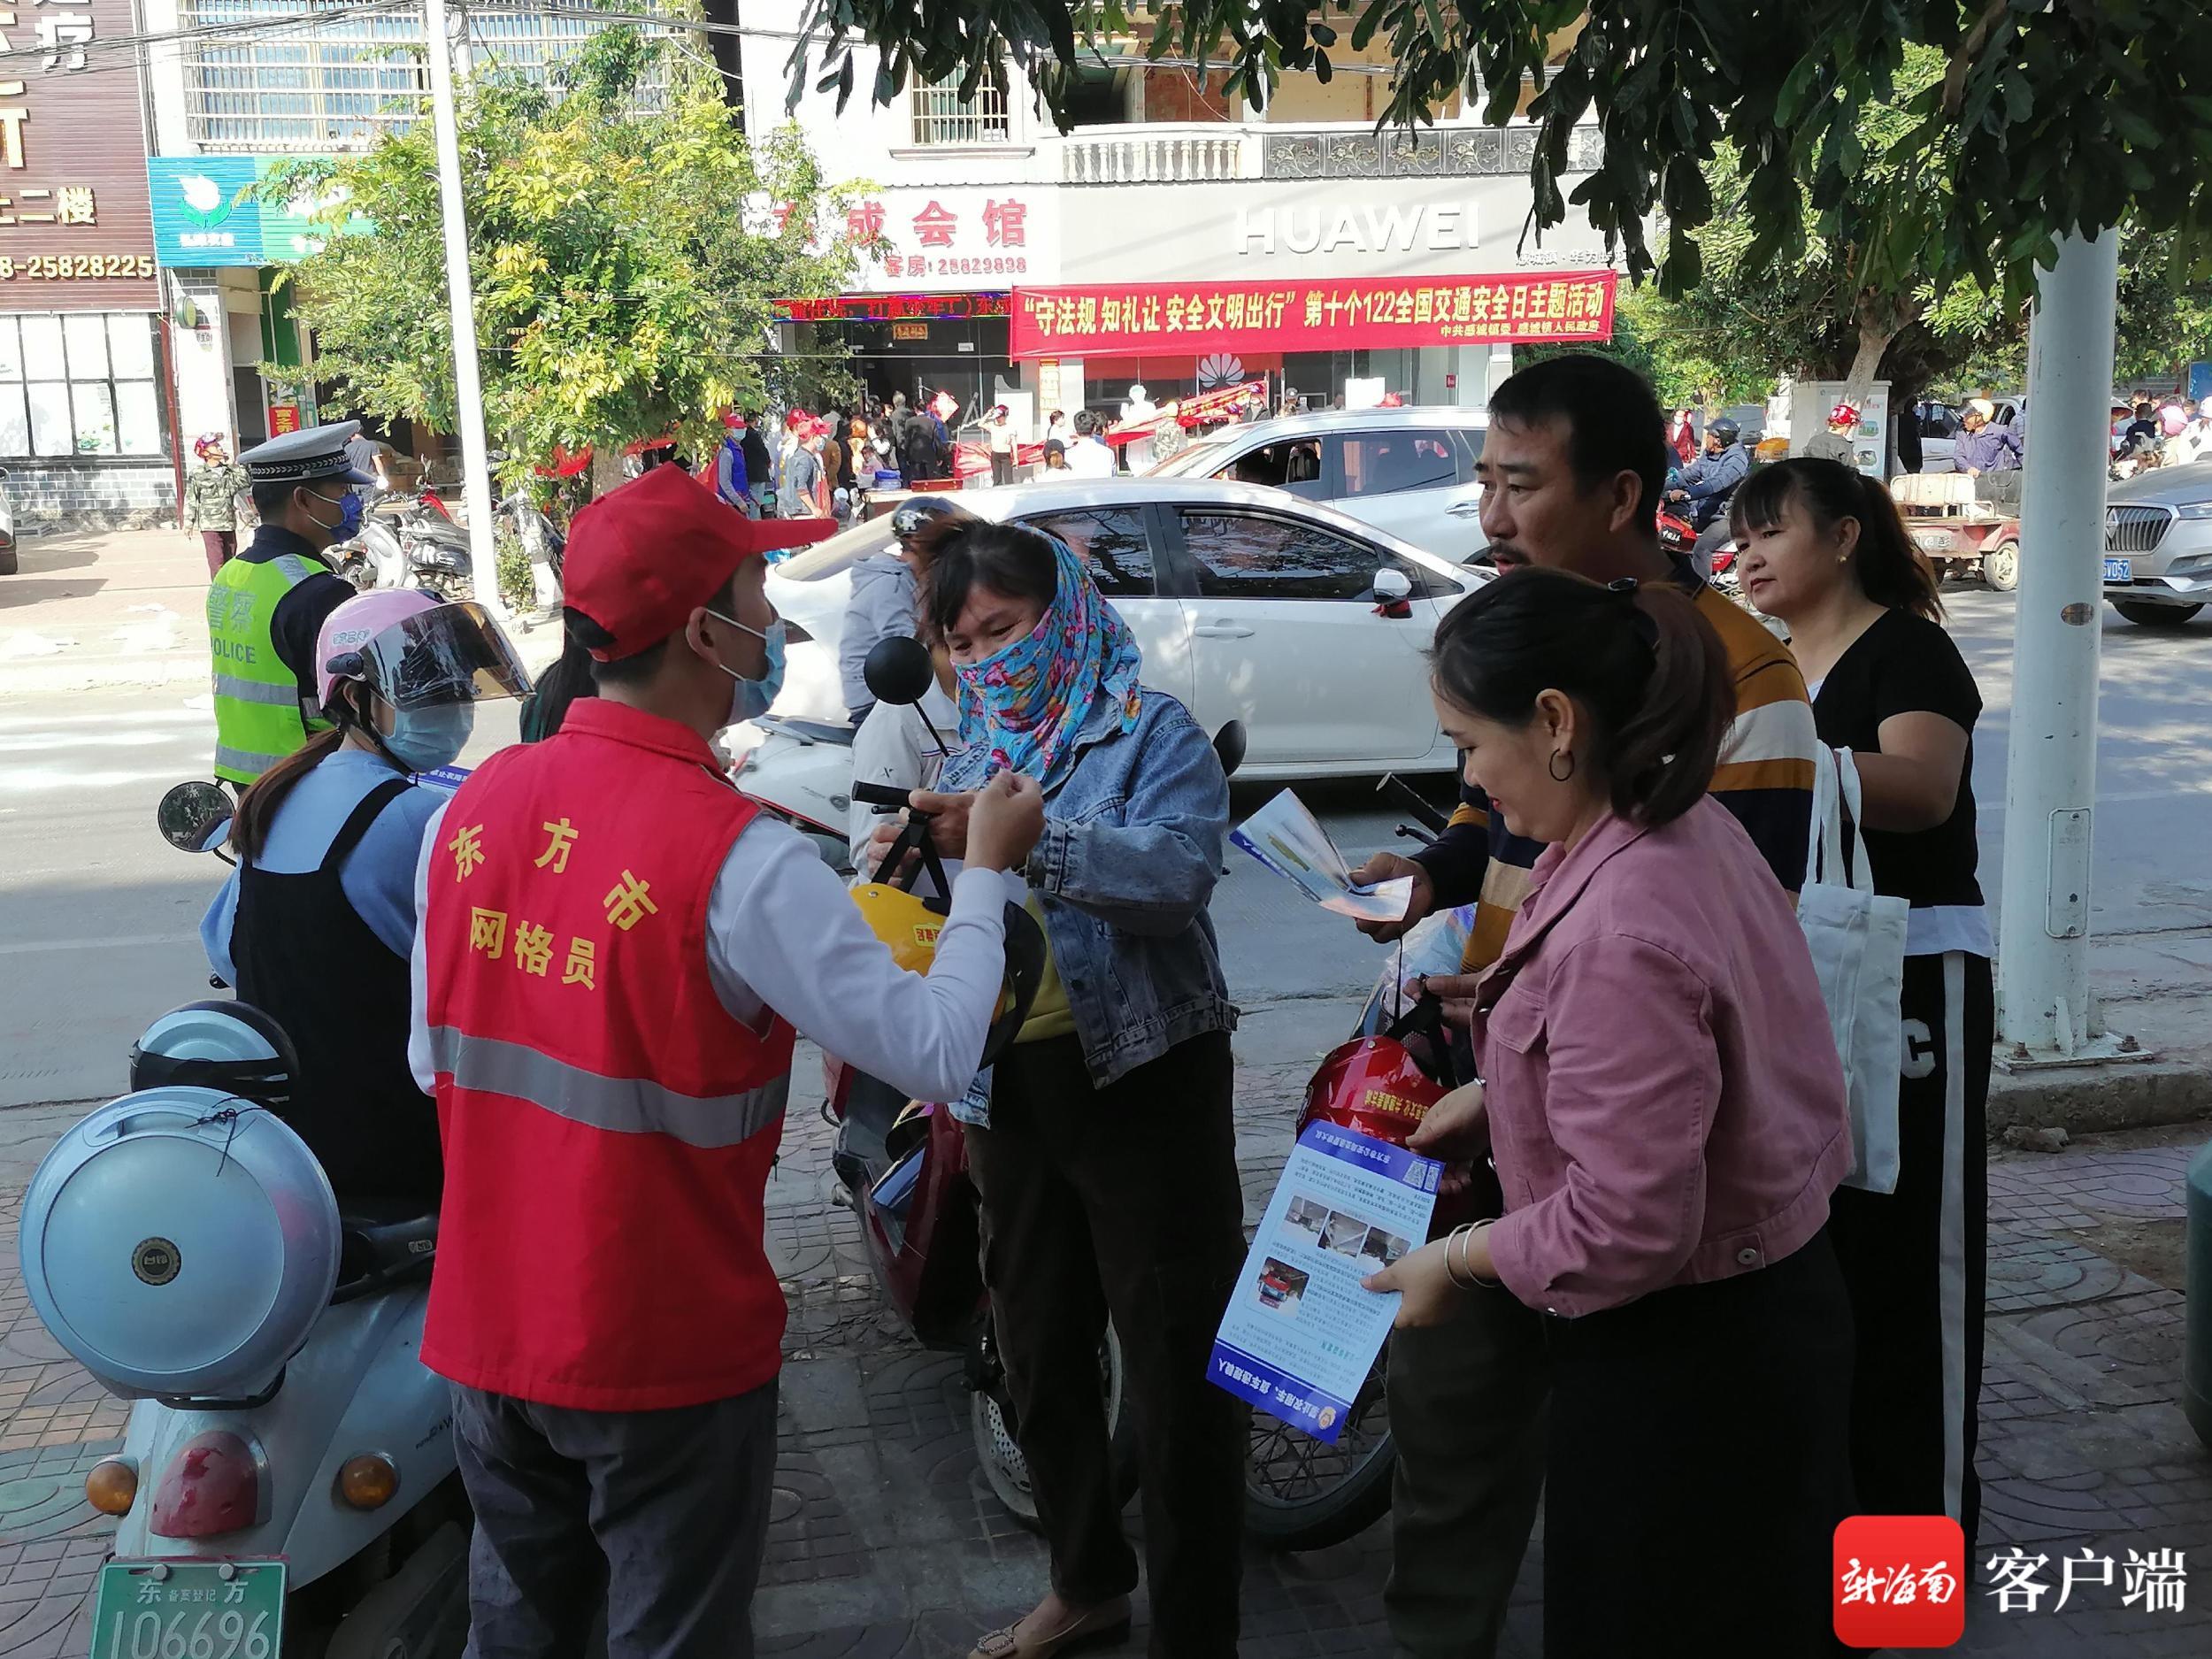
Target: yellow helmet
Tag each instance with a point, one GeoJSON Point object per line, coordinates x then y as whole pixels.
{"type": "Point", "coordinates": [909, 924]}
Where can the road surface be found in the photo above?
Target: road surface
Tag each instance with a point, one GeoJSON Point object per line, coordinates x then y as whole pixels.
{"type": "Point", "coordinates": [101, 913]}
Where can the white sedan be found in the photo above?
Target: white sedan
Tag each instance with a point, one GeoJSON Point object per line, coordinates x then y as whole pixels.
{"type": "Point", "coordinates": [1250, 605]}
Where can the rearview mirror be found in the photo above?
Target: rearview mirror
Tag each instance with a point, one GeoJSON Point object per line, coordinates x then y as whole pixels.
{"type": "Point", "coordinates": [1392, 586]}
{"type": "Point", "coordinates": [191, 814]}
{"type": "Point", "coordinates": [898, 671]}
{"type": "Point", "coordinates": [1229, 747]}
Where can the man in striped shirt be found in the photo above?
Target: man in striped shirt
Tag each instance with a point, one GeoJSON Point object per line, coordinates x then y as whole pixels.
{"type": "Point", "coordinates": [1571, 471]}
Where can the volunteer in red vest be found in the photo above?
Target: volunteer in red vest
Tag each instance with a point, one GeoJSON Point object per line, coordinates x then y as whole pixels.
{"type": "Point", "coordinates": [615, 952]}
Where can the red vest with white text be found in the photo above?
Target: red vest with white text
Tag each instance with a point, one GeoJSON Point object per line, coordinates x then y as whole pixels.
{"type": "Point", "coordinates": [609, 1127]}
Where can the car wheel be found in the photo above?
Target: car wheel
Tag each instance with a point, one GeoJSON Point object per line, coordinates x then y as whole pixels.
{"type": "Point", "coordinates": [2155, 615]}
{"type": "Point", "coordinates": [7, 560]}
{"type": "Point", "coordinates": [2001, 566]}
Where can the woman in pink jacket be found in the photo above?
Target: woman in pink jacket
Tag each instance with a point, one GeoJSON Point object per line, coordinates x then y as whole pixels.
{"type": "Point", "coordinates": [1665, 1111]}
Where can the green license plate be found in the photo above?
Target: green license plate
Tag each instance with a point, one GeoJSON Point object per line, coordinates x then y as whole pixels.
{"type": "Point", "coordinates": [189, 1609]}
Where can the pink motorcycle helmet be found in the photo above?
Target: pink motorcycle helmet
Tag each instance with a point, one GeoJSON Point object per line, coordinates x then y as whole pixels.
{"type": "Point", "coordinates": [357, 621]}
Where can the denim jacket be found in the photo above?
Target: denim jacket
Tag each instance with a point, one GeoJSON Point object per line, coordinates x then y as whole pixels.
{"type": "Point", "coordinates": [1130, 851]}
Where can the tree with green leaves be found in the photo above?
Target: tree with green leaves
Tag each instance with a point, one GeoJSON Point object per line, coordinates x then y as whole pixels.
{"type": "Point", "coordinates": [625, 260]}
{"type": "Point", "coordinates": [2047, 117]}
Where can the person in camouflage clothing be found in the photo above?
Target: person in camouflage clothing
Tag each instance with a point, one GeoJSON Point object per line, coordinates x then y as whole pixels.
{"type": "Point", "coordinates": [210, 499]}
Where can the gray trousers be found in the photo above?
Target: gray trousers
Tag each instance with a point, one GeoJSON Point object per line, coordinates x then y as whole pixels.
{"type": "Point", "coordinates": [664, 1512]}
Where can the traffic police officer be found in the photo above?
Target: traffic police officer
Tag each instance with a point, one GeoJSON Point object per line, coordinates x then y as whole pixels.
{"type": "Point", "coordinates": [615, 949]}
{"type": "Point", "coordinates": [266, 606]}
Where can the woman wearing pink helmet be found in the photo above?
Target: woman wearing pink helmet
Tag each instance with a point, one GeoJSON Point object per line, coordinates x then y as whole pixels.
{"type": "Point", "coordinates": [315, 923]}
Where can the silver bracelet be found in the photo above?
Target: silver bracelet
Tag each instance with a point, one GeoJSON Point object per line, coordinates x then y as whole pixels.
{"type": "Point", "coordinates": [1467, 1244]}
{"type": "Point", "coordinates": [1458, 1237]}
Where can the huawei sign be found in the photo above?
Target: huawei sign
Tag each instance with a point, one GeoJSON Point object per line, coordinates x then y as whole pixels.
{"type": "Point", "coordinates": [1438, 225]}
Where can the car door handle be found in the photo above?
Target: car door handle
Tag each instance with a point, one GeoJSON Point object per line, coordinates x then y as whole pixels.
{"type": "Point", "coordinates": [1221, 631]}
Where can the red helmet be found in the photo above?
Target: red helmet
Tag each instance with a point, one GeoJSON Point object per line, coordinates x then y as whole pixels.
{"type": "Point", "coordinates": [1844, 415]}
{"type": "Point", "coordinates": [1373, 1086]}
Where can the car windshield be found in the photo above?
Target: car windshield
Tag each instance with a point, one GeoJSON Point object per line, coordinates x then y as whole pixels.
{"type": "Point", "coordinates": [841, 552]}
{"type": "Point", "coordinates": [1194, 462]}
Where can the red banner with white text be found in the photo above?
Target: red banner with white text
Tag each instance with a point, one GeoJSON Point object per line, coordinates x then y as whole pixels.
{"type": "Point", "coordinates": [1103, 319]}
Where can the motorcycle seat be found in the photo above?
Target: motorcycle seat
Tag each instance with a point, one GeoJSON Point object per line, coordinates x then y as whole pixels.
{"type": "Point", "coordinates": [808, 730]}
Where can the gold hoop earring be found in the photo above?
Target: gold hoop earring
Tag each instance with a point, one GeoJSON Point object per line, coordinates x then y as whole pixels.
{"type": "Point", "coordinates": [1552, 765]}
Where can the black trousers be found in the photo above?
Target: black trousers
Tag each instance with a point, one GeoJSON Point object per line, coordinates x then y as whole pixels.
{"type": "Point", "coordinates": [1122, 1200]}
{"type": "Point", "coordinates": [1915, 1259]}
{"type": "Point", "coordinates": [665, 1512]}
{"type": "Point", "coordinates": [1001, 467]}
{"type": "Point", "coordinates": [1698, 1466]}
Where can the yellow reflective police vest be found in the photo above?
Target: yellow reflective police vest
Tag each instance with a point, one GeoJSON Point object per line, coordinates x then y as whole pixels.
{"type": "Point", "coordinates": [258, 717]}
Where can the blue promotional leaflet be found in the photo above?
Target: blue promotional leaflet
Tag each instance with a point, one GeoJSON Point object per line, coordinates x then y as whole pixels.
{"type": "Point", "coordinates": [1300, 1334]}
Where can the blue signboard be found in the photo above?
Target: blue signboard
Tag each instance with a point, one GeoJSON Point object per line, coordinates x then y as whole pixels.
{"type": "Point", "coordinates": [201, 215]}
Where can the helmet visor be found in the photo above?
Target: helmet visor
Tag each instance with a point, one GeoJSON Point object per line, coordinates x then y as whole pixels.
{"type": "Point", "coordinates": [453, 653]}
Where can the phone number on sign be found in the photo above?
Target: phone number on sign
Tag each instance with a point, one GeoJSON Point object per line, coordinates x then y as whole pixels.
{"type": "Point", "coordinates": [63, 267]}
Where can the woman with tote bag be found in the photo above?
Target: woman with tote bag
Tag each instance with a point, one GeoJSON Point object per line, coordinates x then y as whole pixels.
{"type": "Point", "coordinates": [1825, 552]}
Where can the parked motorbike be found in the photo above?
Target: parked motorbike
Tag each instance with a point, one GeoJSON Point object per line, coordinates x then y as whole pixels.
{"type": "Point", "coordinates": [802, 772]}
{"type": "Point", "coordinates": [287, 1482]}
{"type": "Point", "coordinates": [408, 540]}
{"type": "Point", "coordinates": [1303, 1493]}
{"type": "Point", "coordinates": [543, 545]}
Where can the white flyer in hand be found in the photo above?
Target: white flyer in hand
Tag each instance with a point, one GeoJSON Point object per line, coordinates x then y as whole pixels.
{"type": "Point", "coordinates": [1300, 1334]}
{"type": "Point", "coordinates": [1287, 837]}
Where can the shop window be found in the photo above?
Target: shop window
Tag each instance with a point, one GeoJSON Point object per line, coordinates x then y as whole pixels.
{"type": "Point", "coordinates": [1111, 540]}
{"type": "Point", "coordinates": [1251, 556]}
{"type": "Point", "coordinates": [942, 116]}
{"type": "Point", "coordinates": [79, 384]}
{"type": "Point", "coordinates": [1386, 463]}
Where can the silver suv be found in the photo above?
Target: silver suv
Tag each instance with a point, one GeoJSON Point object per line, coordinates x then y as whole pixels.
{"type": "Point", "coordinates": [2158, 545]}
{"type": "Point", "coordinates": [1396, 469]}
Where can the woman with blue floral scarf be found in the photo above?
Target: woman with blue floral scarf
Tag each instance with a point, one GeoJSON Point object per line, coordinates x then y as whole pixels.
{"type": "Point", "coordinates": [1107, 1160]}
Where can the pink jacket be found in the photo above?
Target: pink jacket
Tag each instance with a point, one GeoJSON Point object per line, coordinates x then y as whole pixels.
{"type": "Point", "coordinates": [1665, 1103]}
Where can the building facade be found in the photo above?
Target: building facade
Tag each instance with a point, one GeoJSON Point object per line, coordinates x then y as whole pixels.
{"type": "Point", "coordinates": [86, 433]}
{"type": "Point", "coordinates": [242, 87]}
{"type": "Point", "coordinates": [1166, 191]}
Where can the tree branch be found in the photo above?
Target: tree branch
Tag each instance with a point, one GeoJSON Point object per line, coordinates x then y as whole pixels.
{"type": "Point", "coordinates": [1969, 50]}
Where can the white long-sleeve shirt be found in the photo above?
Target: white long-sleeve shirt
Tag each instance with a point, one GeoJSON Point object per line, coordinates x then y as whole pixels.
{"type": "Point", "coordinates": [1087, 457]}
{"type": "Point", "coordinates": [894, 746]}
{"type": "Point", "coordinates": [784, 935]}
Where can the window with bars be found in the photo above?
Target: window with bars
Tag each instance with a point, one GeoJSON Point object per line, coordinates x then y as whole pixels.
{"type": "Point", "coordinates": [941, 116]}
{"type": "Point", "coordinates": [79, 384]}
{"type": "Point", "coordinates": [313, 77]}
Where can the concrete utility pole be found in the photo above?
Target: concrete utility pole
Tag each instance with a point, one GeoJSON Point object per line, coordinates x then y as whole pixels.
{"type": "Point", "coordinates": [476, 490]}
{"type": "Point", "coordinates": [2044, 1015]}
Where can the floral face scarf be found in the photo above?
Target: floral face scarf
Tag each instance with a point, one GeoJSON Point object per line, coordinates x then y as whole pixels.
{"type": "Point", "coordinates": [1026, 702]}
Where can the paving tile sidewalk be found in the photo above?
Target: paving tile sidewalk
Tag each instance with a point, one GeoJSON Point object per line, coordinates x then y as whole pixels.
{"type": "Point", "coordinates": [887, 1542]}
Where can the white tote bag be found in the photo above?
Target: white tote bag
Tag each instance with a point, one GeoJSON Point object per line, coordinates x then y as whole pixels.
{"type": "Point", "coordinates": [1857, 938]}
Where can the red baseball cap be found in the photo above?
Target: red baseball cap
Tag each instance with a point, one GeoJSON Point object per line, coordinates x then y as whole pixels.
{"type": "Point", "coordinates": [641, 558]}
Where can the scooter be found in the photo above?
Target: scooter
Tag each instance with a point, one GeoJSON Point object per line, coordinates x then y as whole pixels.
{"type": "Point", "coordinates": [409, 542]}
{"type": "Point", "coordinates": [903, 1168]}
{"type": "Point", "coordinates": [301, 1480]}
{"type": "Point", "coordinates": [546, 548]}
{"type": "Point", "coordinates": [802, 772]}
{"type": "Point", "coordinates": [1303, 1493]}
